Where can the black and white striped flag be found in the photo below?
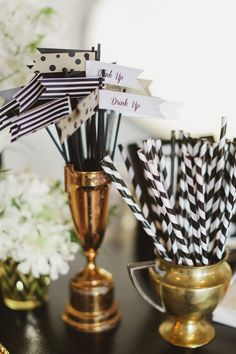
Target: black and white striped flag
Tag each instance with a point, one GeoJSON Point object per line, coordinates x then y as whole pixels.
{"type": "Point", "coordinates": [74, 87]}
{"type": "Point", "coordinates": [39, 117]}
{"type": "Point", "coordinates": [29, 93]}
{"type": "Point", "coordinates": [8, 111]}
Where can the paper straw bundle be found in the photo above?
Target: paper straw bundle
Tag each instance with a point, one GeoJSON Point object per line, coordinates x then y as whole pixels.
{"type": "Point", "coordinates": [193, 201]}
{"type": "Point", "coordinates": [79, 100]}
{"type": "Point", "coordinates": [62, 98]}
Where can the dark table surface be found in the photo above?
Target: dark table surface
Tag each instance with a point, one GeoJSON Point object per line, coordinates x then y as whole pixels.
{"type": "Point", "coordinates": [42, 331]}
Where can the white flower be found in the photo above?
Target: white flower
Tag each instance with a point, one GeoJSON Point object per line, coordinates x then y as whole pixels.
{"type": "Point", "coordinates": [35, 225]}
{"type": "Point", "coordinates": [23, 25]}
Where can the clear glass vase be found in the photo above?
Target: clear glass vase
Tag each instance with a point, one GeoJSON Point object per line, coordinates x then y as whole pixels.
{"type": "Point", "coordinates": [22, 291]}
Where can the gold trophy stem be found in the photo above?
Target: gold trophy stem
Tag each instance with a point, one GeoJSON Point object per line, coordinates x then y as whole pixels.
{"type": "Point", "coordinates": [91, 256]}
{"type": "Point", "coordinates": [91, 306]}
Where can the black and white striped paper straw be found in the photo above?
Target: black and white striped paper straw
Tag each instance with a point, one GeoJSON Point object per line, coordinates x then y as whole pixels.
{"type": "Point", "coordinates": [193, 209]}
{"type": "Point", "coordinates": [112, 172]}
{"type": "Point", "coordinates": [173, 222]}
{"type": "Point", "coordinates": [218, 177]}
{"type": "Point", "coordinates": [219, 249]}
{"type": "Point", "coordinates": [137, 188]}
{"type": "Point", "coordinates": [200, 201]}
{"type": "Point", "coordinates": [156, 200]}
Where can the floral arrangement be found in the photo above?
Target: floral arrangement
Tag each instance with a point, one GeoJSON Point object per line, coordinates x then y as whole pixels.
{"type": "Point", "coordinates": [35, 225]}
{"type": "Point", "coordinates": [23, 26]}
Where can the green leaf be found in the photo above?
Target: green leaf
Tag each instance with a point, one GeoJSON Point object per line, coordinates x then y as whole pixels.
{"type": "Point", "coordinates": [15, 203]}
{"type": "Point", "coordinates": [32, 46]}
{"type": "Point", "coordinates": [47, 11]}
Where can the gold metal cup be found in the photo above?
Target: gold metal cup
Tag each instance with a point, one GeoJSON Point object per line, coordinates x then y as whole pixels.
{"type": "Point", "coordinates": [3, 350]}
{"type": "Point", "coordinates": [91, 306]}
{"type": "Point", "coordinates": [188, 295]}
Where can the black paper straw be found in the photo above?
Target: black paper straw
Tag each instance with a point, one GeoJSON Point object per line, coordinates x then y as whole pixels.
{"type": "Point", "coordinates": [87, 132]}
{"type": "Point", "coordinates": [57, 145]}
{"type": "Point", "coordinates": [62, 144]}
{"type": "Point", "coordinates": [116, 136]}
{"type": "Point", "coordinates": [172, 174]}
{"type": "Point", "coordinates": [76, 149]}
{"type": "Point", "coordinates": [110, 126]}
{"type": "Point", "coordinates": [93, 130]}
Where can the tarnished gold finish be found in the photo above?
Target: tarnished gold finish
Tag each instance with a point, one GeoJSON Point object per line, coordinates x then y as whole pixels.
{"type": "Point", "coordinates": [91, 307]}
{"type": "Point", "coordinates": [189, 294]}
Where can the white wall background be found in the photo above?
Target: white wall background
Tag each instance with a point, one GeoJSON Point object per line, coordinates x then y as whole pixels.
{"type": "Point", "coordinates": [188, 48]}
{"type": "Point", "coordinates": [36, 151]}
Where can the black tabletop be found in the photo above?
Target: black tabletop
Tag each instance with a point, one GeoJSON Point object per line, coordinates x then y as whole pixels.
{"type": "Point", "coordinates": [42, 331]}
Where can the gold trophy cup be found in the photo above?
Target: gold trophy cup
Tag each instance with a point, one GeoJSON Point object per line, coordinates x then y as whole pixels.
{"type": "Point", "coordinates": [91, 305]}
{"type": "Point", "coordinates": [188, 295]}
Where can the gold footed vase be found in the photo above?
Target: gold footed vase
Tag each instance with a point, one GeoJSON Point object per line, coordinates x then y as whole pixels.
{"type": "Point", "coordinates": [91, 305]}
{"type": "Point", "coordinates": [188, 294]}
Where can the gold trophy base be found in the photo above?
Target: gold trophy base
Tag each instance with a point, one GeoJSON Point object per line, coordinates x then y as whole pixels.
{"type": "Point", "coordinates": [92, 307]}
{"type": "Point", "coordinates": [188, 334]}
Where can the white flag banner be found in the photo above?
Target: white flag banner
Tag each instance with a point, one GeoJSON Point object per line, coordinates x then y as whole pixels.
{"type": "Point", "coordinates": [130, 104]}
{"type": "Point", "coordinates": [114, 74]}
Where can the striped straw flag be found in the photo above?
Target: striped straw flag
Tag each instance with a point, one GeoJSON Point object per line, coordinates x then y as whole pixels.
{"type": "Point", "coordinates": [29, 94]}
{"type": "Point", "coordinates": [8, 111]}
{"type": "Point", "coordinates": [74, 87]}
{"type": "Point", "coordinates": [39, 118]}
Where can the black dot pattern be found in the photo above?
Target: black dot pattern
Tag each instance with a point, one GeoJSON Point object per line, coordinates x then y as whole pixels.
{"type": "Point", "coordinates": [63, 62]}
{"type": "Point", "coordinates": [52, 67]}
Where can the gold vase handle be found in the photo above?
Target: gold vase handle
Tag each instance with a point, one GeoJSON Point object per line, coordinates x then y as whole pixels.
{"type": "Point", "coordinates": [132, 269]}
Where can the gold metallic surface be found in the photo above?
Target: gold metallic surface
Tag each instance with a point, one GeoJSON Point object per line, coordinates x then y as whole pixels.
{"type": "Point", "coordinates": [3, 350]}
{"type": "Point", "coordinates": [189, 294]}
{"type": "Point", "coordinates": [91, 305]}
